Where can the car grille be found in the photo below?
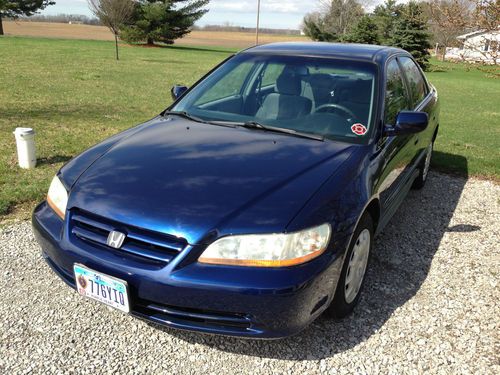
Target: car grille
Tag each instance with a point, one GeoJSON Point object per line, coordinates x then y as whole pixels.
{"type": "Point", "coordinates": [141, 243]}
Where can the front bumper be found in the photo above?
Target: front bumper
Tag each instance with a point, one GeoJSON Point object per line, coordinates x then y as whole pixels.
{"type": "Point", "coordinates": [236, 301]}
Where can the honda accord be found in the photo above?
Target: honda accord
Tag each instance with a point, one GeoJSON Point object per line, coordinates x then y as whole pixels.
{"type": "Point", "coordinates": [250, 205]}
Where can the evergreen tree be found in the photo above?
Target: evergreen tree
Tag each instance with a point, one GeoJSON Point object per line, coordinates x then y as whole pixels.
{"type": "Point", "coordinates": [16, 8]}
{"type": "Point", "coordinates": [385, 16]}
{"type": "Point", "coordinates": [163, 20]}
{"type": "Point", "coordinates": [366, 32]}
{"type": "Point", "coordinates": [410, 33]}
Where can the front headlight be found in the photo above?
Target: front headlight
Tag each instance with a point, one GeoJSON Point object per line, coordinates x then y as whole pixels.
{"type": "Point", "coordinates": [270, 250]}
{"type": "Point", "coordinates": [57, 198]}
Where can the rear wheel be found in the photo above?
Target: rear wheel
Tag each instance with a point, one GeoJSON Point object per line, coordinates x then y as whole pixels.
{"type": "Point", "coordinates": [425, 166]}
{"type": "Point", "coordinates": [353, 272]}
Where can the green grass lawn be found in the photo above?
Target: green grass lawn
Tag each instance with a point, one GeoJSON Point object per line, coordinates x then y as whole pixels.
{"type": "Point", "coordinates": [75, 94]}
{"type": "Point", "coordinates": [470, 119]}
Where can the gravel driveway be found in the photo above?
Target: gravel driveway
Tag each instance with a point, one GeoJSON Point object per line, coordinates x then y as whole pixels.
{"type": "Point", "coordinates": [431, 305]}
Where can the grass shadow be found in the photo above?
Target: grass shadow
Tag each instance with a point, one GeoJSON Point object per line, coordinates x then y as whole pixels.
{"type": "Point", "coordinates": [169, 61]}
{"type": "Point", "coordinates": [400, 264]}
{"type": "Point", "coordinates": [450, 163]}
{"type": "Point", "coordinates": [437, 69]}
{"type": "Point", "coordinates": [203, 49]}
{"type": "Point", "coordinates": [56, 159]}
{"type": "Point", "coordinates": [51, 112]}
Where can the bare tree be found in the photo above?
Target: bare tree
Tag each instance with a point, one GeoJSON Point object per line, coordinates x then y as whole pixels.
{"type": "Point", "coordinates": [341, 15]}
{"type": "Point", "coordinates": [113, 14]}
{"type": "Point", "coordinates": [447, 20]}
{"type": "Point", "coordinates": [334, 20]}
{"type": "Point", "coordinates": [487, 20]}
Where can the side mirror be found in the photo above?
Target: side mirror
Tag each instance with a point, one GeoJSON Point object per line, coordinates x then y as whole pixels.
{"type": "Point", "coordinates": [408, 122]}
{"type": "Point", "coordinates": [177, 91]}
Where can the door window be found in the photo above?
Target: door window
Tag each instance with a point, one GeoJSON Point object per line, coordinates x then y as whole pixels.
{"type": "Point", "coordinates": [271, 74]}
{"type": "Point", "coordinates": [416, 82]}
{"type": "Point", "coordinates": [396, 96]}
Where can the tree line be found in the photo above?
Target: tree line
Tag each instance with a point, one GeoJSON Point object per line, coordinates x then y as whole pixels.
{"type": "Point", "coordinates": [228, 27]}
{"type": "Point", "coordinates": [414, 26]}
{"type": "Point", "coordinates": [63, 18]}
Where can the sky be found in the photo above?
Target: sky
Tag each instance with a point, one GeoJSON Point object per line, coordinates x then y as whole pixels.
{"type": "Point", "coordinates": [283, 14]}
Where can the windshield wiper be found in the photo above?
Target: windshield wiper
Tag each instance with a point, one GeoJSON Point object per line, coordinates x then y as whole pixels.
{"type": "Point", "coordinates": [183, 114]}
{"type": "Point", "coordinates": [248, 125]}
{"type": "Point", "coordinates": [194, 118]}
{"type": "Point", "coordinates": [258, 125]}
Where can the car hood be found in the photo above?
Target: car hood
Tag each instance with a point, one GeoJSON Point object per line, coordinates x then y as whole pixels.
{"type": "Point", "coordinates": [190, 179]}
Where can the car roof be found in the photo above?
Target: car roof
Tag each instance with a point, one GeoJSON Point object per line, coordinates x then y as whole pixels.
{"type": "Point", "coordinates": [322, 49]}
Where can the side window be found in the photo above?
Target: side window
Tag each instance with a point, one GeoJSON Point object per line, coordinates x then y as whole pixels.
{"type": "Point", "coordinates": [418, 88]}
{"type": "Point", "coordinates": [229, 85]}
{"type": "Point", "coordinates": [395, 93]}
{"type": "Point", "coordinates": [273, 71]}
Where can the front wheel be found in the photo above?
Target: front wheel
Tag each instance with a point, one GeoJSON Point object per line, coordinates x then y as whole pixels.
{"type": "Point", "coordinates": [425, 166]}
{"type": "Point", "coordinates": [353, 272]}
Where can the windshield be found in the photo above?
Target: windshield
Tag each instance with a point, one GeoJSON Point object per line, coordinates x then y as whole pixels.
{"type": "Point", "coordinates": [326, 97]}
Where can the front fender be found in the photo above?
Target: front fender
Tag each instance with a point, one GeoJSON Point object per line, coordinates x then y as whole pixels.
{"type": "Point", "coordinates": [342, 199]}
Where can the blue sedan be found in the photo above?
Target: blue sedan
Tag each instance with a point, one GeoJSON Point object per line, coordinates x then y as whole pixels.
{"type": "Point", "coordinates": [248, 207]}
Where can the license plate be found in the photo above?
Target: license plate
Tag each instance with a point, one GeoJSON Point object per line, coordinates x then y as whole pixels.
{"type": "Point", "coordinates": [103, 288]}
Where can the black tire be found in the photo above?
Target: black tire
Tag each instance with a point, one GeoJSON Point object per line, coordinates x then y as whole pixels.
{"type": "Point", "coordinates": [340, 307]}
{"type": "Point", "coordinates": [424, 168]}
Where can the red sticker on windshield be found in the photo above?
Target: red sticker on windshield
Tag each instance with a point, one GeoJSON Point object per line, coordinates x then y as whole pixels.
{"type": "Point", "coordinates": [359, 129]}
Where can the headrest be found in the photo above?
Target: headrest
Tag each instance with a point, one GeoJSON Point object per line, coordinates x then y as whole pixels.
{"type": "Point", "coordinates": [298, 70]}
{"type": "Point", "coordinates": [289, 84]}
{"type": "Point", "coordinates": [358, 91]}
{"type": "Point", "coordinates": [362, 92]}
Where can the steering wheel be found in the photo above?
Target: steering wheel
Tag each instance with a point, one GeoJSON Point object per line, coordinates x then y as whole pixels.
{"type": "Point", "coordinates": [336, 107]}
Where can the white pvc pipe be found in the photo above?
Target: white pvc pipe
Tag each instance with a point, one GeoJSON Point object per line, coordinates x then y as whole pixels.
{"type": "Point", "coordinates": [26, 150]}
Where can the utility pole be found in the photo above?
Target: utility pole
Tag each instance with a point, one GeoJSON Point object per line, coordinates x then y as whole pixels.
{"type": "Point", "coordinates": [258, 24]}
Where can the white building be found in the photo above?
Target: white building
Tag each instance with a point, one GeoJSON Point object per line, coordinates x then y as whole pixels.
{"type": "Point", "coordinates": [478, 46]}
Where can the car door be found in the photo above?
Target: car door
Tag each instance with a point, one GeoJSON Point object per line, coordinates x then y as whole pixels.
{"type": "Point", "coordinates": [395, 152]}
